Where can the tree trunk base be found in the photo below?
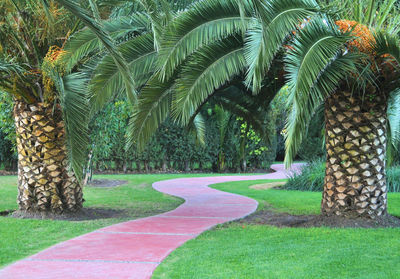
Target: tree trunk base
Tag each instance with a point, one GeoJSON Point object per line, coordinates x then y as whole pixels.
{"type": "Point", "coordinates": [45, 182]}
{"type": "Point", "coordinates": [355, 178]}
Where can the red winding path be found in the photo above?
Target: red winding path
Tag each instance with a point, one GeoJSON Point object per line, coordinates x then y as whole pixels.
{"type": "Point", "coordinates": [135, 248]}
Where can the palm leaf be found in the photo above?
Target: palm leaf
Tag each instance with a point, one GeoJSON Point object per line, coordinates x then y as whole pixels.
{"type": "Point", "coordinates": [207, 70]}
{"type": "Point", "coordinates": [205, 22]}
{"type": "Point", "coordinates": [85, 42]}
{"type": "Point", "coordinates": [158, 17]}
{"type": "Point", "coordinates": [387, 44]}
{"type": "Point", "coordinates": [278, 18]}
{"type": "Point", "coordinates": [299, 117]}
{"type": "Point", "coordinates": [74, 99]}
{"type": "Point", "coordinates": [107, 81]}
{"type": "Point", "coordinates": [152, 109]}
{"type": "Point", "coordinates": [106, 40]}
{"type": "Point", "coordinates": [315, 68]}
{"type": "Point", "coordinates": [197, 127]}
{"type": "Point", "coordinates": [393, 116]}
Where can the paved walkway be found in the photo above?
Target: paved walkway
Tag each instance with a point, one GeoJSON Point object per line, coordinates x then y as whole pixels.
{"type": "Point", "coordinates": [134, 249]}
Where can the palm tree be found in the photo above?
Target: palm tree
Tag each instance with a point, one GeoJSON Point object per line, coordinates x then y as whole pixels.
{"type": "Point", "coordinates": [49, 107]}
{"type": "Point", "coordinates": [350, 64]}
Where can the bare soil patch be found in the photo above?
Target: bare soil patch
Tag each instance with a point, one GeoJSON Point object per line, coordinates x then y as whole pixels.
{"type": "Point", "coordinates": [85, 214]}
{"type": "Point", "coordinates": [265, 186]}
{"type": "Point", "coordinates": [279, 219]}
{"type": "Point", "coordinates": [105, 183]}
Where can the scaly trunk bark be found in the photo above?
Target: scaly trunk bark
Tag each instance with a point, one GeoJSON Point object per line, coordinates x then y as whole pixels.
{"type": "Point", "coordinates": [45, 183]}
{"type": "Point", "coordinates": [355, 179]}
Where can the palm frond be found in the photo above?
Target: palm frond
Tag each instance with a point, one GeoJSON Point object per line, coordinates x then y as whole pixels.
{"type": "Point", "coordinates": [222, 119]}
{"type": "Point", "coordinates": [13, 79]}
{"type": "Point", "coordinates": [244, 111]}
{"type": "Point", "coordinates": [393, 133]}
{"type": "Point", "coordinates": [158, 13]}
{"type": "Point", "coordinates": [152, 109]}
{"type": "Point", "coordinates": [8, 67]}
{"type": "Point", "coordinates": [85, 42]}
{"type": "Point", "coordinates": [315, 68]}
{"type": "Point", "coordinates": [95, 9]}
{"type": "Point", "coordinates": [207, 70]}
{"type": "Point", "coordinates": [107, 81]}
{"type": "Point", "coordinates": [197, 127]}
{"type": "Point", "coordinates": [106, 40]}
{"type": "Point", "coordinates": [264, 39]}
{"type": "Point", "coordinates": [387, 44]}
{"type": "Point", "coordinates": [253, 109]}
{"type": "Point", "coordinates": [203, 23]}
{"type": "Point", "coordinates": [74, 99]}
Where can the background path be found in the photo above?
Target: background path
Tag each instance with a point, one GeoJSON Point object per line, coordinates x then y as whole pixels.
{"type": "Point", "coordinates": [135, 248]}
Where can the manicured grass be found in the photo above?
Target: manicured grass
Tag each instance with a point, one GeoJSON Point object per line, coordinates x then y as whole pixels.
{"type": "Point", "coordinates": [255, 251]}
{"type": "Point", "coordinates": [294, 202]}
{"type": "Point", "coordinates": [267, 252]}
{"type": "Point", "coordinates": [22, 237]}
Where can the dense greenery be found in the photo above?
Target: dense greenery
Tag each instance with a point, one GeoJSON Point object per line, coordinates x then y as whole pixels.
{"type": "Point", "coordinates": [176, 148]}
{"type": "Point", "coordinates": [172, 148]}
{"type": "Point", "coordinates": [8, 152]}
{"type": "Point", "coordinates": [311, 178]}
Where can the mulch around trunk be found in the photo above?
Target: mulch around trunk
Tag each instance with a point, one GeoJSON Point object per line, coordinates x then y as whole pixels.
{"type": "Point", "coordinates": [105, 183]}
{"type": "Point", "coordinates": [85, 214]}
{"type": "Point", "coordinates": [279, 219]}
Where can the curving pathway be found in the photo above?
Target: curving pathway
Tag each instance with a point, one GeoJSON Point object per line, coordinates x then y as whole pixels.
{"type": "Point", "coordinates": [135, 248]}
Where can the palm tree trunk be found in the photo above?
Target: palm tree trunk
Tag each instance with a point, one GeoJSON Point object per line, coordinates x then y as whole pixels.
{"type": "Point", "coordinates": [45, 183]}
{"type": "Point", "coordinates": [355, 179]}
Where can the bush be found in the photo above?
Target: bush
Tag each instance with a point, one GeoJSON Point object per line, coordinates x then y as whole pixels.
{"type": "Point", "coordinates": [393, 179]}
{"type": "Point", "coordinates": [311, 178]}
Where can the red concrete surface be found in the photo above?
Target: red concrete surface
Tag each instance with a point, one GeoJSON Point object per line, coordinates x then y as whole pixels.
{"type": "Point", "coordinates": [134, 249]}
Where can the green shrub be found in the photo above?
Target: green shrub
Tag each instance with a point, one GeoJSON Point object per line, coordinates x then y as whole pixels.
{"type": "Point", "coordinates": [311, 178]}
{"type": "Point", "coordinates": [393, 179]}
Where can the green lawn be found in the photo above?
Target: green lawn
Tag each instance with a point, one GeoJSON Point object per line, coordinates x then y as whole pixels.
{"type": "Point", "coordinates": [294, 202]}
{"type": "Point", "coordinates": [22, 237]}
{"type": "Point", "coordinates": [256, 251]}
